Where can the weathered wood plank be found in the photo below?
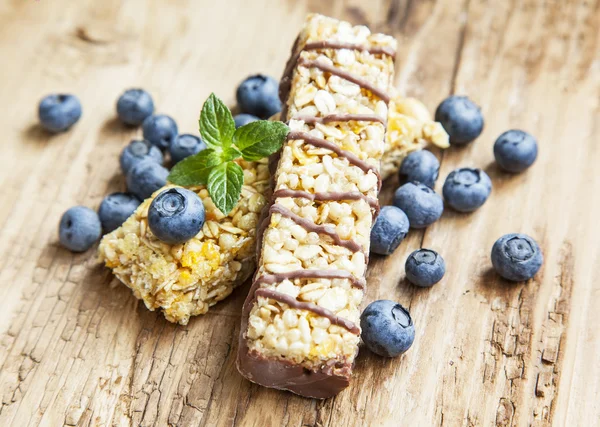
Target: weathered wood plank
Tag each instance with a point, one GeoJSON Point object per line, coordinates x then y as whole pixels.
{"type": "Point", "coordinates": [77, 349]}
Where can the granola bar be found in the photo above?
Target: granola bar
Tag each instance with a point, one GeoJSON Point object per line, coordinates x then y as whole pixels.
{"type": "Point", "coordinates": [186, 279]}
{"type": "Point", "coordinates": [300, 320]}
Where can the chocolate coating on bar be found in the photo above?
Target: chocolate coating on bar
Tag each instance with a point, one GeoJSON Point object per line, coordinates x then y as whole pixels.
{"type": "Point", "coordinates": [270, 279]}
{"type": "Point", "coordinates": [328, 196]}
{"type": "Point", "coordinates": [285, 83]}
{"type": "Point", "coordinates": [320, 229]}
{"type": "Point", "coordinates": [324, 44]}
{"type": "Point", "coordinates": [381, 94]}
{"type": "Point", "coordinates": [323, 143]}
{"type": "Point", "coordinates": [341, 118]}
{"type": "Point", "coordinates": [325, 382]}
{"type": "Point", "coordinates": [309, 306]}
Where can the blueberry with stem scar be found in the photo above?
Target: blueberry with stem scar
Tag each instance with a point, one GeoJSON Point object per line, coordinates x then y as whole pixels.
{"type": "Point", "coordinates": [516, 257]}
{"type": "Point", "coordinates": [176, 215]}
{"type": "Point", "coordinates": [425, 268]}
{"type": "Point", "coordinates": [387, 328]}
{"type": "Point", "coordinates": [467, 189]}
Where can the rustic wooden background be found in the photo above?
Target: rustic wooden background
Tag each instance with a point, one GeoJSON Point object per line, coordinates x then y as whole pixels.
{"type": "Point", "coordinates": [77, 349]}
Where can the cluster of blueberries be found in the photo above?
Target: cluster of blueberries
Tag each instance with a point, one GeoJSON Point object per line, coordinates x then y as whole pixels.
{"type": "Point", "coordinates": [387, 328]}
{"type": "Point", "coordinates": [175, 215]}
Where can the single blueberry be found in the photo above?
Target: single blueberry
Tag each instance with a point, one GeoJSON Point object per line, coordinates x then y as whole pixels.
{"type": "Point", "coordinates": [58, 113]}
{"type": "Point", "coordinates": [137, 151]}
{"type": "Point", "coordinates": [421, 204]}
{"type": "Point", "coordinates": [184, 146]}
{"type": "Point", "coordinates": [145, 177]}
{"type": "Point", "coordinates": [243, 119]}
{"type": "Point", "coordinates": [425, 268]}
{"type": "Point", "coordinates": [466, 189]}
{"type": "Point", "coordinates": [390, 228]}
{"type": "Point", "coordinates": [420, 166]}
{"type": "Point", "coordinates": [387, 328]}
{"type": "Point", "coordinates": [79, 229]}
{"type": "Point", "coordinates": [115, 209]}
{"type": "Point", "coordinates": [259, 95]}
{"type": "Point", "coordinates": [134, 106]}
{"type": "Point", "coordinates": [516, 257]}
{"type": "Point", "coordinates": [461, 118]}
{"type": "Point", "coordinates": [515, 150]}
{"type": "Point", "coordinates": [176, 215]}
{"type": "Point", "coordinates": [160, 130]}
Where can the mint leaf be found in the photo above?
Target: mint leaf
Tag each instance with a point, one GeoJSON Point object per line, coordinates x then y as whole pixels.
{"type": "Point", "coordinates": [194, 170]}
{"type": "Point", "coordinates": [230, 153]}
{"type": "Point", "coordinates": [260, 139]}
{"type": "Point", "coordinates": [216, 123]}
{"type": "Point", "coordinates": [225, 186]}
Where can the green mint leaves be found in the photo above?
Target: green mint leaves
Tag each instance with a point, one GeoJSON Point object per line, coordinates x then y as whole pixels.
{"type": "Point", "coordinates": [260, 139]}
{"type": "Point", "coordinates": [225, 185]}
{"type": "Point", "coordinates": [216, 123]}
{"type": "Point", "coordinates": [215, 166]}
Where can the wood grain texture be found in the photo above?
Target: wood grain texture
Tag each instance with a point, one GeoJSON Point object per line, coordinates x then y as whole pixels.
{"type": "Point", "coordinates": [77, 349]}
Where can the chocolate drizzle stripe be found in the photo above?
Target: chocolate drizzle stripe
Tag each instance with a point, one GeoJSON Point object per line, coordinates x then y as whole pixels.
{"type": "Point", "coordinates": [375, 50]}
{"type": "Point", "coordinates": [294, 303]}
{"type": "Point", "coordinates": [271, 279]}
{"type": "Point", "coordinates": [323, 143]}
{"type": "Point", "coordinates": [320, 229]}
{"type": "Point", "coordinates": [341, 118]}
{"type": "Point", "coordinates": [329, 196]}
{"type": "Point", "coordinates": [346, 76]}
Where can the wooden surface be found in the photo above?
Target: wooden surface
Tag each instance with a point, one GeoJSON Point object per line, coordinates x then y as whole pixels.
{"type": "Point", "coordinates": [77, 349]}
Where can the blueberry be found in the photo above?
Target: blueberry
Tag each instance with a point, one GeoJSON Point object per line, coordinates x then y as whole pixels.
{"type": "Point", "coordinates": [421, 204]}
{"type": "Point", "coordinates": [185, 145]}
{"type": "Point", "coordinates": [79, 229]}
{"type": "Point", "coordinates": [467, 189]}
{"type": "Point", "coordinates": [145, 177]}
{"type": "Point", "coordinates": [134, 106]}
{"type": "Point", "coordinates": [58, 113]}
{"type": "Point", "coordinates": [160, 130]}
{"type": "Point", "coordinates": [516, 257]}
{"type": "Point", "coordinates": [176, 215]}
{"type": "Point", "coordinates": [243, 119]}
{"type": "Point", "coordinates": [461, 118]}
{"type": "Point", "coordinates": [515, 150]}
{"type": "Point", "coordinates": [115, 209]}
{"type": "Point", "coordinates": [137, 151]}
{"type": "Point", "coordinates": [389, 230]}
{"type": "Point", "coordinates": [420, 166]}
{"type": "Point", "coordinates": [425, 268]}
{"type": "Point", "coordinates": [387, 328]}
{"type": "Point", "coordinates": [259, 95]}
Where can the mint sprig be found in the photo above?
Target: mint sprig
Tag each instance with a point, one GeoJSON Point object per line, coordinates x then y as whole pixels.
{"type": "Point", "coordinates": [215, 166]}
